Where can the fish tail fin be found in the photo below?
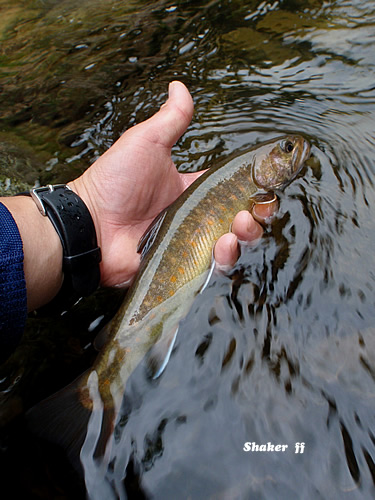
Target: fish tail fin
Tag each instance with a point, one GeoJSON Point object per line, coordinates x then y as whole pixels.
{"type": "Point", "coordinates": [62, 419]}
{"type": "Point", "coordinates": [76, 419]}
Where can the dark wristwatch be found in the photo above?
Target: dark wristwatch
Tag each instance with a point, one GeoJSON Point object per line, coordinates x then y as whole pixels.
{"type": "Point", "coordinates": [81, 255]}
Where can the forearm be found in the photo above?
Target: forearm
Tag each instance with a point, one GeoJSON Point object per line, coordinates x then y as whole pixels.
{"type": "Point", "coordinates": [42, 251]}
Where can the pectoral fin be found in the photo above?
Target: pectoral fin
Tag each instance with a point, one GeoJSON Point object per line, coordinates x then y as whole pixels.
{"type": "Point", "coordinates": [209, 274]}
{"type": "Point", "coordinates": [150, 234]}
{"type": "Point", "coordinates": [160, 353]}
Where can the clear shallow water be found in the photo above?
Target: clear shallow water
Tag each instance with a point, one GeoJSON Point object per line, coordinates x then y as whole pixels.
{"type": "Point", "coordinates": [281, 351]}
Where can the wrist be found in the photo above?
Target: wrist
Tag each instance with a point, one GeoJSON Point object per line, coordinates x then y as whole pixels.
{"type": "Point", "coordinates": [42, 251]}
{"type": "Point", "coordinates": [75, 228]}
{"type": "Point", "coordinates": [78, 187]}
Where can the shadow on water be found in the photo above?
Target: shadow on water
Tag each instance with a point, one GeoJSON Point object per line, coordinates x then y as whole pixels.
{"type": "Point", "coordinates": [282, 350]}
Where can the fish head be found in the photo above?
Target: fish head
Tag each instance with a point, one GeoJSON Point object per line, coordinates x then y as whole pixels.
{"type": "Point", "coordinates": [279, 161]}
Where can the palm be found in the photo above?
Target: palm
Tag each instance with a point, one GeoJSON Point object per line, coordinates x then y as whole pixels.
{"type": "Point", "coordinates": [131, 183]}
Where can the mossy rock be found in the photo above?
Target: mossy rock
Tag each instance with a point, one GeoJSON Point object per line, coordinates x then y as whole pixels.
{"type": "Point", "coordinates": [19, 168]}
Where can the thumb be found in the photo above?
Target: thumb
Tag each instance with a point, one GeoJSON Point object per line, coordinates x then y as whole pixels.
{"type": "Point", "coordinates": [166, 126]}
{"type": "Point", "coordinates": [173, 118]}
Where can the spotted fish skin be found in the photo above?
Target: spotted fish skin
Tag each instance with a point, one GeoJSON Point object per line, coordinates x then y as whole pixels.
{"type": "Point", "coordinates": [175, 267]}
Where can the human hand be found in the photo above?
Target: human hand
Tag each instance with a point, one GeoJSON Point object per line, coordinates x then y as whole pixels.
{"type": "Point", "coordinates": [136, 179]}
{"type": "Point", "coordinates": [245, 228]}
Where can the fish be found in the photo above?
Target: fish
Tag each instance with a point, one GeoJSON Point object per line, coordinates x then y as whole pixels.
{"type": "Point", "coordinates": [176, 262]}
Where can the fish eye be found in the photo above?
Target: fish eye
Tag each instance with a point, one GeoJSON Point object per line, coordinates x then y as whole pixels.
{"type": "Point", "coordinates": [287, 146]}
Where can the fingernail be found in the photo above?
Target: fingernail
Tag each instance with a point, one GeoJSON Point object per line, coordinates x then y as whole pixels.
{"type": "Point", "coordinates": [171, 89]}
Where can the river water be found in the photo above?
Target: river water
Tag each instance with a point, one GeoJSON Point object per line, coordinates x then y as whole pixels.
{"type": "Point", "coordinates": [282, 350]}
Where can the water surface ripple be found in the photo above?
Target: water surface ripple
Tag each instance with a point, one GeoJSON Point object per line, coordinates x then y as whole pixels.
{"type": "Point", "coordinates": [282, 350]}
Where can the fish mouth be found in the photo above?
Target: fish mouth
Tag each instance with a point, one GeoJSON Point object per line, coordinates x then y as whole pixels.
{"type": "Point", "coordinates": [300, 154]}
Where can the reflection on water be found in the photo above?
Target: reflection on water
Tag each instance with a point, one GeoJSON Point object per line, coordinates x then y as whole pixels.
{"type": "Point", "coordinates": [283, 350]}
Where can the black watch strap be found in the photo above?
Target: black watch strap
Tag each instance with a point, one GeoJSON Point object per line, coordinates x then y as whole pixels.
{"type": "Point", "coordinates": [75, 227]}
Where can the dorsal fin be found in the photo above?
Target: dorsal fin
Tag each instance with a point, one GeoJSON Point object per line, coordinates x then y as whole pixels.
{"type": "Point", "coordinates": [150, 234]}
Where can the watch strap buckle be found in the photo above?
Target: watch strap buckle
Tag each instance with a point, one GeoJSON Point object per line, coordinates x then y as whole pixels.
{"type": "Point", "coordinates": [35, 195]}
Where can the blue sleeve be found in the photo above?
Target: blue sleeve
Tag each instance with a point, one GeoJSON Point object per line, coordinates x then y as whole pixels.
{"type": "Point", "coordinates": [13, 302]}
